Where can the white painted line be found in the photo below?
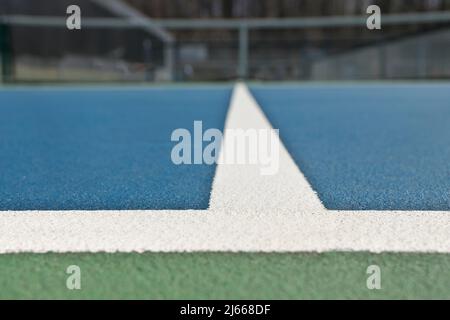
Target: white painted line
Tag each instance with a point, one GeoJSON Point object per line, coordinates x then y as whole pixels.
{"type": "Point", "coordinates": [248, 212]}
{"type": "Point", "coordinates": [242, 188]}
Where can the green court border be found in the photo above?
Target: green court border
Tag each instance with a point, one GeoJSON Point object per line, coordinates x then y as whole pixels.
{"type": "Point", "coordinates": [332, 275]}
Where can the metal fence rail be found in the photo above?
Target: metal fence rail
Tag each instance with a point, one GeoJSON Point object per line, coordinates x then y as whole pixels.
{"type": "Point", "coordinates": [260, 23]}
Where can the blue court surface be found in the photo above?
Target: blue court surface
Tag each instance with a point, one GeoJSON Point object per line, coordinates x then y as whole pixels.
{"type": "Point", "coordinates": [89, 149]}
{"type": "Point", "coordinates": [367, 147]}
{"type": "Point", "coordinates": [361, 147]}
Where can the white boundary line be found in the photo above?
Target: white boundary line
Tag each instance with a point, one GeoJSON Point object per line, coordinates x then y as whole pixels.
{"type": "Point", "coordinates": [248, 212]}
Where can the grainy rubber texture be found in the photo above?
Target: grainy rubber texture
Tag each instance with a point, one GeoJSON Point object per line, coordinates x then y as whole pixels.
{"type": "Point", "coordinates": [103, 149]}
{"type": "Point", "coordinates": [367, 147]}
{"type": "Point", "coordinates": [225, 276]}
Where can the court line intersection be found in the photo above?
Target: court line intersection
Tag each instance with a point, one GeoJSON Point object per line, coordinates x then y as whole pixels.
{"type": "Point", "coordinates": [248, 213]}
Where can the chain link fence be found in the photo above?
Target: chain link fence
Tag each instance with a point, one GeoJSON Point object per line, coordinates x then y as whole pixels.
{"type": "Point", "coordinates": [409, 46]}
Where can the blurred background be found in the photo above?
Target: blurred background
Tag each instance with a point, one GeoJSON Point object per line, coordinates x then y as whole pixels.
{"type": "Point", "coordinates": [223, 40]}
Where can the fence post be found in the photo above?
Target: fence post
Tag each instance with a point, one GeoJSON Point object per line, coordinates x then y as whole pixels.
{"type": "Point", "coordinates": [422, 52]}
{"type": "Point", "coordinates": [169, 59]}
{"type": "Point", "coordinates": [243, 51]}
{"type": "Point", "coordinates": [5, 53]}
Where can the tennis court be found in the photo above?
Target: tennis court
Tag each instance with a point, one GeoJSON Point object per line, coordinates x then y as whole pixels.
{"type": "Point", "coordinates": [358, 152]}
{"type": "Point", "coordinates": [68, 151]}
{"type": "Point", "coordinates": [338, 137]}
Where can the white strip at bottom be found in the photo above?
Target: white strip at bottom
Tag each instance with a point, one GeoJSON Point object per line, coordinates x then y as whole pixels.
{"type": "Point", "coordinates": [248, 213]}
